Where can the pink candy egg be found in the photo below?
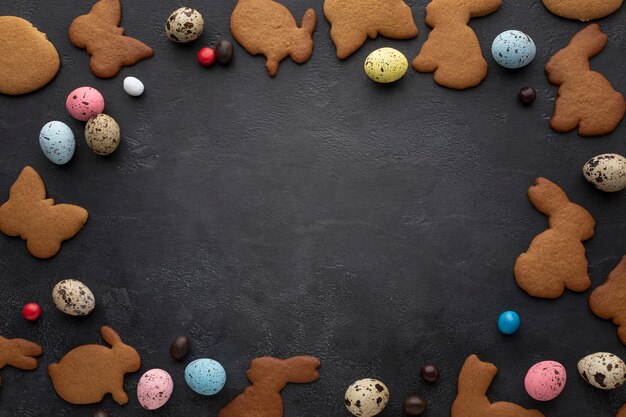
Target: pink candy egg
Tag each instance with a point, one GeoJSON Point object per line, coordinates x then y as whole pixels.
{"type": "Point", "coordinates": [154, 389]}
{"type": "Point", "coordinates": [84, 103]}
{"type": "Point", "coordinates": [545, 380]}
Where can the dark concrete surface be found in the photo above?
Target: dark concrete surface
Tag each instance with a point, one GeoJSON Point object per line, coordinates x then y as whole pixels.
{"type": "Point", "coordinates": [316, 213]}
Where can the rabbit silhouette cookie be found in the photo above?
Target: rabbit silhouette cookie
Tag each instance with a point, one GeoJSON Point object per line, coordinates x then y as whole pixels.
{"type": "Point", "coordinates": [268, 28]}
{"type": "Point", "coordinates": [622, 411]}
{"type": "Point", "coordinates": [585, 99]}
{"type": "Point", "coordinates": [556, 258]}
{"type": "Point", "coordinates": [353, 21]}
{"type": "Point", "coordinates": [583, 10]}
{"type": "Point", "coordinates": [471, 401]}
{"type": "Point", "coordinates": [452, 50]}
{"type": "Point", "coordinates": [19, 353]}
{"type": "Point", "coordinates": [608, 301]}
{"type": "Point", "coordinates": [269, 376]}
{"type": "Point", "coordinates": [89, 372]}
{"type": "Point", "coordinates": [99, 33]}
{"type": "Point", "coordinates": [36, 219]}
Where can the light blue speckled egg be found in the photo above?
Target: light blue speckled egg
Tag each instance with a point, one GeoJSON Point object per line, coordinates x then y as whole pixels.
{"type": "Point", "coordinates": [57, 142]}
{"type": "Point", "coordinates": [205, 376]}
{"type": "Point", "coordinates": [513, 49]}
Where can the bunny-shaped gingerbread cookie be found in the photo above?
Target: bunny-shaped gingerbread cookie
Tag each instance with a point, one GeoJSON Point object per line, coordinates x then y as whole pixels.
{"type": "Point", "coordinates": [89, 372]}
{"type": "Point", "coordinates": [471, 401]}
{"type": "Point", "coordinates": [585, 98]}
{"type": "Point", "coordinates": [268, 28]}
{"type": "Point", "coordinates": [452, 50]}
{"type": "Point", "coordinates": [19, 353]}
{"type": "Point", "coordinates": [269, 376]}
{"type": "Point", "coordinates": [353, 21]}
{"type": "Point", "coordinates": [556, 258]}
{"type": "Point", "coordinates": [608, 301]}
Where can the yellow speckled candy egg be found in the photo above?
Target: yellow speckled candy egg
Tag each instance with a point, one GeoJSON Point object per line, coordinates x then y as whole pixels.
{"type": "Point", "coordinates": [386, 65]}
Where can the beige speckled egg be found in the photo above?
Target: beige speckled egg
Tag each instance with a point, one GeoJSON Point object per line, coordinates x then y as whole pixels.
{"type": "Point", "coordinates": [386, 65]}
{"type": "Point", "coordinates": [102, 134]}
{"type": "Point", "coordinates": [184, 25]}
{"type": "Point", "coordinates": [73, 297]}
{"type": "Point", "coordinates": [606, 172]}
{"type": "Point", "coordinates": [366, 397]}
{"type": "Point", "coordinates": [603, 370]}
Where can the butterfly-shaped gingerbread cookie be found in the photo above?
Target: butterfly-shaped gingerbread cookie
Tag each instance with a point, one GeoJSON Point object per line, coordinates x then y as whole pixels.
{"type": "Point", "coordinates": [36, 219]}
{"type": "Point", "coordinates": [99, 33]}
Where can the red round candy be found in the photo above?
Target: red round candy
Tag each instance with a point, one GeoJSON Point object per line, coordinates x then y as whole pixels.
{"type": "Point", "coordinates": [31, 311]}
{"type": "Point", "coordinates": [206, 56]}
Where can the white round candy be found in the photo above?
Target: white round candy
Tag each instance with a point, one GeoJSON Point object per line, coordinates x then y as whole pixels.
{"type": "Point", "coordinates": [133, 86]}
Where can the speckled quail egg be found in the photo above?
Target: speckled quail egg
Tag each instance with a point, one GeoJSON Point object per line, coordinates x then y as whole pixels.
{"type": "Point", "coordinates": [184, 25]}
{"type": "Point", "coordinates": [102, 134]}
{"type": "Point", "coordinates": [513, 49]}
{"type": "Point", "coordinates": [603, 370]}
{"type": "Point", "coordinates": [385, 65]}
{"type": "Point", "coordinates": [73, 297]}
{"type": "Point", "coordinates": [366, 397]}
{"type": "Point", "coordinates": [57, 142]}
{"type": "Point", "coordinates": [606, 172]}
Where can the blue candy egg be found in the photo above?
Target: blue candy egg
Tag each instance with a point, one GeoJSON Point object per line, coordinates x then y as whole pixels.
{"type": "Point", "coordinates": [57, 142]}
{"type": "Point", "coordinates": [513, 49]}
{"type": "Point", "coordinates": [205, 376]}
{"type": "Point", "coordinates": [508, 322]}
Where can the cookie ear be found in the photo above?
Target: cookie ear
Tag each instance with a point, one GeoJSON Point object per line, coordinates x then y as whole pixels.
{"type": "Point", "coordinates": [547, 197]}
{"type": "Point", "coordinates": [302, 369]}
{"type": "Point", "coordinates": [590, 41]}
{"type": "Point", "coordinates": [110, 336]}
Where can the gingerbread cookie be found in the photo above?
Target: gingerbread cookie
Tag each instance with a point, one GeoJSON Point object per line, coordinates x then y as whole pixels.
{"type": "Point", "coordinates": [28, 60]}
{"type": "Point", "coordinates": [269, 376]}
{"type": "Point", "coordinates": [36, 219]}
{"type": "Point", "coordinates": [556, 258]}
{"type": "Point", "coordinates": [583, 10]}
{"type": "Point", "coordinates": [585, 99]}
{"type": "Point", "coordinates": [608, 301]}
{"type": "Point", "coordinates": [452, 50]}
{"type": "Point", "coordinates": [268, 28]}
{"type": "Point", "coordinates": [99, 33]}
{"type": "Point", "coordinates": [89, 372]}
{"type": "Point", "coordinates": [19, 353]}
{"type": "Point", "coordinates": [353, 21]}
{"type": "Point", "coordinates": [622, 411]}
{"type": "Point", "coordinates": [471, 401]}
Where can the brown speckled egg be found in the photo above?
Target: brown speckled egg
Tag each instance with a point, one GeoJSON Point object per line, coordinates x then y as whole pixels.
{"type": "Point", "coordinates": [73, 297]}
{"type": "Point", "coordinates": [184, 25]}
{"type": "Point", "coordinates": [606, 172]}
{"type": "Point", "coordinates": [102, 134]}
{"type": "Point", "coordinates": [603, 370]}
{"type": "Point", "coordinates": [366, 397]}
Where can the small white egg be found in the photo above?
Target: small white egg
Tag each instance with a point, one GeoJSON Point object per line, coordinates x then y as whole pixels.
{"type": "Point", "coordinates": [133, 86]}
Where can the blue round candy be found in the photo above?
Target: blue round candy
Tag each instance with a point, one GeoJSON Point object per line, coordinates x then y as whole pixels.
{"type": "Point", "coordinates": [508, 322]}
{"type": "Point", "coordinates": [57, 142]}
{"type": "Point", "coordinates": [513, 49]}
{"type": "Point", "coordinates": [205, 376]}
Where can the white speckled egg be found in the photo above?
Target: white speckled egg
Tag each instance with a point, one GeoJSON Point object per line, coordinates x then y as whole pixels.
{"type": "Point", "coordinates": [205, 376]}
{"type": "Point", "coordinates": [385, 65]}
{"type": "Point", "coordinates": [603, 370]}
{"type": "Point", "coordinates": [606, 172]}
{"type": "Point", "coordinates": [184, 25]}
{"type": "Point", "coordinates": [73, 297]}
{"type": "Point", "coordinates": [154, 389]}
{"type": "Point", "coordinates": [133, 86]}
{"type": "Point", "coordinates": [545, 380]}
{"type": "Point", "coordinates": [513, 49]}
{"type": "Point", "coordinates": [57, 142]}
{"type": "Point", "coordinates": [102, 134]}
{"type": "Point", "coordinates": [366, 397]}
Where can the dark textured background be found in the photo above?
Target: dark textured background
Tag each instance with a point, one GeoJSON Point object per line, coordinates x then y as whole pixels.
{"type": "Point", "coordinates": [373, 226]}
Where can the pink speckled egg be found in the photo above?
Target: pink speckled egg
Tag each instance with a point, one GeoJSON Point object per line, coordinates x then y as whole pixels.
{"type": "Point", "coordinates": [84, 103]}
{"type": "Point", "coordinates": [154, 389]}
{"type": "Point", "coordinates": [545, 380]}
